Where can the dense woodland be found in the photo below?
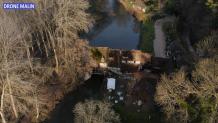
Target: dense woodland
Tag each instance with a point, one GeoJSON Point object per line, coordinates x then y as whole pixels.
{"type": "Point", "coordinates": [42, 58]}
{"type": "Point", "coordinates": [190, 94]}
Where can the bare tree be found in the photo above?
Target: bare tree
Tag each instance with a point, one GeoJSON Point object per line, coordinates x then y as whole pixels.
{"type": "Point", "coordinates": [183, 100]}
{"type": "Point", "coordinates": [16, 76]}
{"type": "Point", "coordinates": [95, 112]}
{"type": "Point", "coordinates": [208, 46]}
{"type": "Point", "coordinates": [51, 31]}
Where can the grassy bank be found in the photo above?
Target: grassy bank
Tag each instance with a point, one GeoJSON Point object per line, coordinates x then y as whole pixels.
{"type": "Point", "coordinates": [146, 36]}
{"type": "Point", "coordinates": [146, 27]}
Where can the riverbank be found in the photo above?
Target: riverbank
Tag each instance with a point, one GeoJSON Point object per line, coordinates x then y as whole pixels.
{"type": "Point", "coordinates": [63, 112]}
{"type": "Point", "coordinates": [146, 36]}
{"type": "Point", "coordinates": [137, 11]}
{"type": "Point", "coordinates": [146, 25]}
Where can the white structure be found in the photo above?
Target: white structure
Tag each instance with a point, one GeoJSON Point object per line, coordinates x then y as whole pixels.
{"type": "Point", "coordinates": [134, 62]}
{"type": "Point", "coordinates": [119, 93]}
{"type": "Point", "coordinates": [137, 62]}
{"type": "Point", "coordinates": [139, 103]}
{"type": "Point", "coordinates": [115, 101]}
{"type": "Point", "coordinates": [103, 65]}
{"type": "Point", "coordinates": [130, 62]}
{"type": "Point", "coordinates": [111, 82]}
{"type": "Point", "coordinates": [123, 61]}
{"type": "Point", "coordinates": [121, 98]}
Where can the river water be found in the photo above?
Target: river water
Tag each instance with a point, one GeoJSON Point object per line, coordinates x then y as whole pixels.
{"type": "Point", "coordinates": [121, 30]}
{"type": "Point", "coordinates": [63, 112]}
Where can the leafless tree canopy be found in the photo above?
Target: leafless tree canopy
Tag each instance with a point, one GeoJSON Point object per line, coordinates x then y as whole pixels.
{"type": "Point", "coordinates": [192, 99]}
{"type": "Point", "coordinates": [41, 57]}
{"type": "Point", "coordinates": [95, 112]}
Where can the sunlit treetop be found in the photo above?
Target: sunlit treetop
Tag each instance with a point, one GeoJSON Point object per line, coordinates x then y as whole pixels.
{"type": "Point", "coordinates": [213, 4]}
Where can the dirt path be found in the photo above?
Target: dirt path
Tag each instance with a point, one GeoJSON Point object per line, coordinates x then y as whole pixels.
{"type": "Point", "coordinates": [160, 39]}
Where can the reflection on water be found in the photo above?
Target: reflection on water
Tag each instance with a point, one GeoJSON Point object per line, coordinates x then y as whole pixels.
{"type": "Point", "coordinates": [121, 33]}
{"type": "Point", "coordinates": [110, 4]}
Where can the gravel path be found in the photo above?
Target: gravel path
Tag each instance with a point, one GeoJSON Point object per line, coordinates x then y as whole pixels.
{"type": "Point", "coordinates": [160, 39]}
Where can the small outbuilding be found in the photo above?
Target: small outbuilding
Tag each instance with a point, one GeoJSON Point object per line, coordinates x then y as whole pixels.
{"type": "Point", "coordinates": [111, 82]}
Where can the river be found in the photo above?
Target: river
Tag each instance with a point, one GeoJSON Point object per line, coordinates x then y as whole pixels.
{"type": "Point", "coordinates": [121, 30]}
{"type": "Point", "coordinates": [63, 112]}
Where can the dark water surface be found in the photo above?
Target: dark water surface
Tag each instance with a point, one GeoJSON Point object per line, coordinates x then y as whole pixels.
{"type": "Point", "coordinates": [63, 112]}
{"type": "Point", "coordinates": [122, 32]}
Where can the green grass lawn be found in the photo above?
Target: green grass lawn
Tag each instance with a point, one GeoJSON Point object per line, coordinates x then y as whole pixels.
{"type": "Point", "coordinates": [147, 36]}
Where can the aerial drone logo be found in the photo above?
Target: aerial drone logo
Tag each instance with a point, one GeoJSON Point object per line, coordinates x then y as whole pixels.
{"type": "Point", "coordinates": [19, 6]}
